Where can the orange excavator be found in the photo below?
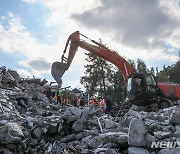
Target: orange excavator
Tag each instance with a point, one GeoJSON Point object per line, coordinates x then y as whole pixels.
{"type": "Point", "coordinates": [141, 89]}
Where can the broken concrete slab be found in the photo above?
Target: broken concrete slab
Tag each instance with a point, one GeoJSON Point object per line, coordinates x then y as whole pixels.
{"type": "Point", "coordinates": [11, 133]}
{"type": "Point", "coordinates": [169, 151]}
{"type": "Point", "coordinates": [137, 133]}
{"type": "Point", "coordinates": [119, 138]}
{"type": "Point", "coordinates": [137, 150]}
{"type": "Point", "coordinates": [174, 119]}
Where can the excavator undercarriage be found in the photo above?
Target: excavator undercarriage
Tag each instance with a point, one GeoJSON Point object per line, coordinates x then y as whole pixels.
{"type": "Point", "coordinates": [152, 105]}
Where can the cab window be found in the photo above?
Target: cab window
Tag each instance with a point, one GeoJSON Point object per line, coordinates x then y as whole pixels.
{"type": "Point", "coordinates": [150, 80]}
{"type": "Point", "coordinates": [129, 84]}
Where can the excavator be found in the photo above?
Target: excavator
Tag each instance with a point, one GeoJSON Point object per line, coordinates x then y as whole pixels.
{"type": "Point", "coordinates": [141, 89]}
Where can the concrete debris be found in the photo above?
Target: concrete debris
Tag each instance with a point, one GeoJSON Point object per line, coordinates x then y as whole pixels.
{"type": "Point", "coordinates": [33, 122]}
{"type": "Point", "coordinates": [137, 150]}
{"type": "Point", "coordinates": [169, 151]}
{"type": "Point", "coordinates": [175, 117]}
{"type": "Point", "coordinates": [137, 133]}
{"type": "Point", "coordinates": [10, 133]}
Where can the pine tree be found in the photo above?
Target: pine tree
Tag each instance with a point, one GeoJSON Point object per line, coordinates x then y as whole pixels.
{"type": "Point", "coordinates": [141, 66]}
{"type": "Point", "coordinates": [102, 79]}
{"type": "Point", "coordinates": [174, 73]}
{"type": "Point", "coordinates": [96, 75]}
{"type": "Point", "coordinates": [115, 86]}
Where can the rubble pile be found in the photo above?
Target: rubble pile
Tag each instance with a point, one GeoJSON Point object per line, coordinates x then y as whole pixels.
{"type": "Point", "coordinates": [31, 123]}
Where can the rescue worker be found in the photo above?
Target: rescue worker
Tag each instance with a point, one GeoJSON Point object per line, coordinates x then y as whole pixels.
{"type": "Point", "coordinates": [78, 102]}
{"type": "Point", "coordinates": [59, 95]}
{"type": "Point", "coordinates": [74, 102]}
{"type": "Point", "coordinates": [53, 93]}
{"type": "Point", "coordinates": [47, 90]}
{"type": "Point", "coordinates": [82, 103]}
{"type": "Point", "coordinates": [91, 101]}
{"type": "Point", "coordinates": [108, 105]}
{"type": "Point", "coordinates": [99, 103]}
{"type": "Point", "coordinates": [48, 93]}
{"type": "Point", "coordinates": [65, 95]}
{"type": "Point", "coordinates": [103, 104]}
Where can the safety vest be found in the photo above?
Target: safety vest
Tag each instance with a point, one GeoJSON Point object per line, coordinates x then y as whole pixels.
{"type": "Point", "coordinates": [91, 101]}
{"type": "Point", "coordinates": [59, 93]}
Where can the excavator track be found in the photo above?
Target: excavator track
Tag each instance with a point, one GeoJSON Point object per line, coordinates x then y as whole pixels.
{"type": "Point", "coordinates": [123, 108]}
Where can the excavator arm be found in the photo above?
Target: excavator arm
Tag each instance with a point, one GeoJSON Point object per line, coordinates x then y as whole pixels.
{"type": "Point", "coordinates": [59, 68]}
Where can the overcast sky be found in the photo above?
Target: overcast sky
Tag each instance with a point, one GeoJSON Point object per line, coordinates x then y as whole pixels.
{"type": "Point", "coordinates": [33, 32]}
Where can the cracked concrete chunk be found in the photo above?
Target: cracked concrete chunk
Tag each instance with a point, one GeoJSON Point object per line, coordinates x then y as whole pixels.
{"type": "Point", "coordinates": [109, 124]}
{"type": "Point", "coordinates": [5, 151]}
{"type": "Point", "coordinates": [130, 115]}
{"type": "Point", "coordinates": [105, 151]}
{"type": "Point", "coordinates": [119, 138]}
{"type": "Point", "coordinates": [137, 133]}
{"type": "Point", "coordinates": [37, 132]}
{"type": "Point", "coordinates": [162, 135]}
{"type": "Point", "coordinates": [169, 151]}
{"type": "Point", "coordinates": [175, 117]}
{"type": "Point", "coordinates": [52, 129]}
{"type": "Point", "coordinates": [78, 126]}
{"type": "Point", "coordinates": [94, 143]}
{"type": "Point", "coordinates": [11, 133]}
{"type": "Point", "coordinates": [68, 138]}
{"type": "Point", "coordinates": [72, 113]}
{"type": "Point", "coordinates": [137, 150]}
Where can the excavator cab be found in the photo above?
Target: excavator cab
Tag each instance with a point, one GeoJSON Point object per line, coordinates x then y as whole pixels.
{"type": "Point", "coordinates": [142, 89]}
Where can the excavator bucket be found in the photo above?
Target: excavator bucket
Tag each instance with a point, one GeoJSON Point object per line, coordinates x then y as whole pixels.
{"type": "Point", "coordinates": [57, 71]}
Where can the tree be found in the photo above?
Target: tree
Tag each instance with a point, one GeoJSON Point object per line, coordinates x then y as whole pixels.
{"type": "Point", "coordinates": [141, 66]}
{"type": "Point", "coordinates": [174, 73]}
{"type": "Point", "coordinates": [102, 79]}
{"type": "Point", "coordinates": [96, 75]}
{"type": "Point", "coordinates": [152, 70]}
{"type": "Point", "coordinates": [115, 89]}
{"type": "Point", "coordinates": [133, 65]}
{"type": "Point", "coordinates": [170, 74]}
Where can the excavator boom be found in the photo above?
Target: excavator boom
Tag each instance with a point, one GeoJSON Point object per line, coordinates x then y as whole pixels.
{"type": "Point", "coordinates": [59, 68]}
